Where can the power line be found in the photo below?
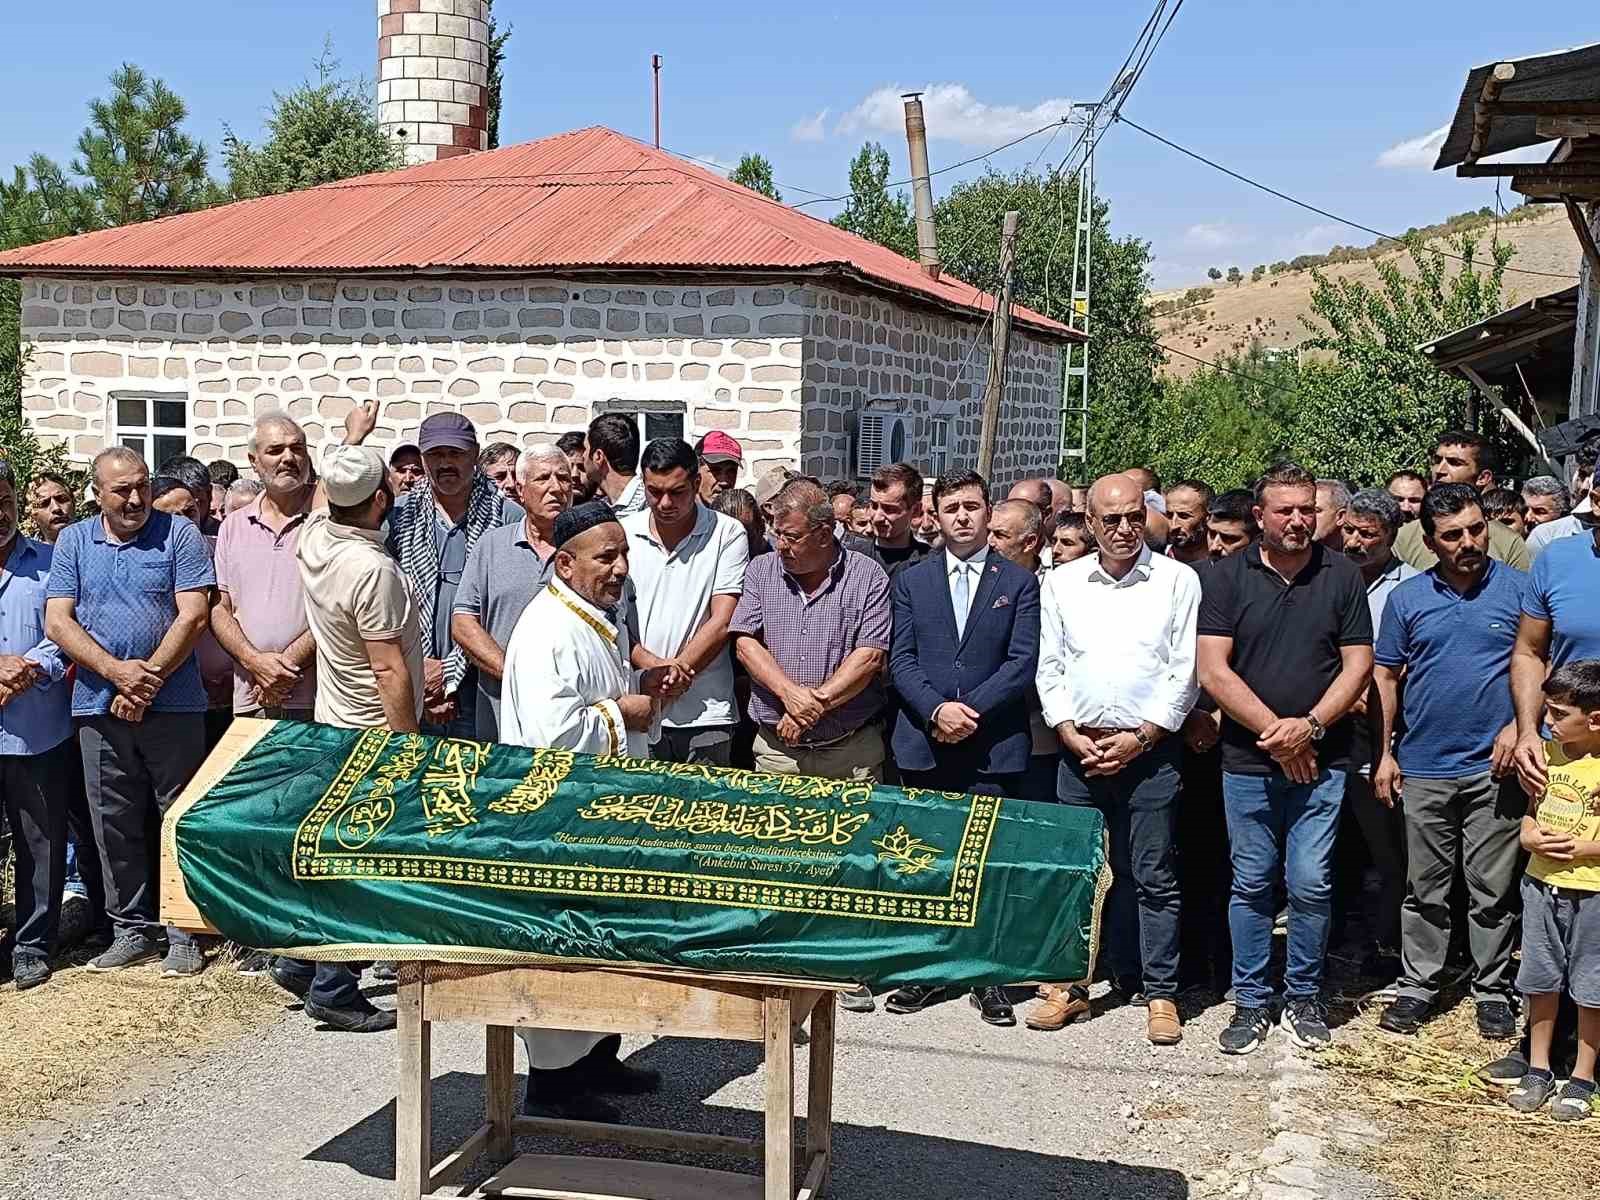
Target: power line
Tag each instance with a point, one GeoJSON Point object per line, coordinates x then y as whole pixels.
{"type": "Point", "coordinates": [1309, 207]}
{"type": "Point", "coordinates": [965, 162]}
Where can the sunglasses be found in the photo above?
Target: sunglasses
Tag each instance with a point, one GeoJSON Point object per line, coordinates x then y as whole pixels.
{"type": "Point", "coordinates": [1135, 520]}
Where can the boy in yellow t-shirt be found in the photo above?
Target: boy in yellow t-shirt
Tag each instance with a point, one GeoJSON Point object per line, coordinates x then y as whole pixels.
{"type": "Point", "coordinates": [1561, 893]}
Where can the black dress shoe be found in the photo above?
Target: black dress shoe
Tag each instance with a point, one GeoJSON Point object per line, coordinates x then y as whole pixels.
{"type": "Point", "coordinates": [295, 985]}
{"type": "Point", "coordinates": [1405, 1015]}
{"type": "Point", "coordinates": [573, 1106]}
{"type": "Point", "coordinates": [914, 997]}
{"type": "Point", "coordinates": [362, 1018]}
{"type": "Point", "coordinates": [611, 1074]}
{"type": "Point", "coordinates": [1496, 1021]}
{"type": "Point", "coordinates": [993, 1006]}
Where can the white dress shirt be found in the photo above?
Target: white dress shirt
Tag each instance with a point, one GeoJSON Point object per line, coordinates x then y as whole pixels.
{"type": "Point", "coordinates": [1116, 652]}
{"type": "Point", "coordinates": [973, 566]}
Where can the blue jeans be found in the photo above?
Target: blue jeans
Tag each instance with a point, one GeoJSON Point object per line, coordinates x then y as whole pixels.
{"type": "Point", "coordinates": [1281, 830]}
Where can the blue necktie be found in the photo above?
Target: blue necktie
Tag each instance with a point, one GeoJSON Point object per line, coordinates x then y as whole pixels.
{"type": "Point", "coordinates": [963, 600]}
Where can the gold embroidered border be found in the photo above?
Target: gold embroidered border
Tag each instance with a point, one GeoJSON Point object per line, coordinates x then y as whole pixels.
{"type": "Point", "coordinates": [588, 620]}
{"type": "Point", "coordinates": [611, 726]}
{"type": "Point", "coordinates": [956, 908]}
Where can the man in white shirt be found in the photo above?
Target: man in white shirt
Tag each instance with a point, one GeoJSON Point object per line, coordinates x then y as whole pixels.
{"type": "Point", "coordinates": [569, 685]}
{"type": "Point", "coordinates": [1116, 679]}
{"type": "Point", "coordinates": [687, 565]}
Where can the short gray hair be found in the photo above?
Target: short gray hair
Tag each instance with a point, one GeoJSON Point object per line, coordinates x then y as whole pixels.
{"type": "Point", "coordinates": [121, 454]}
{"type": "Point", "coordinates": [1341, 494]}
{"type": "Point", "coordinates": [1549, 485]}
{"type": "Point", "coordinates": [7, 475]}
{"type": "Point", "coordinates": [806, 498]}
{"type": "Point", "coordinates": [533, 455]}
{"type": "Point", "coordinates": [1378, 504]}
{"type": "Point", "coordinates": [277, 418]}
{"type": "Point", "coordinates": [1032, 518]}
{"type": "Point", "coordinates": [246, 487]}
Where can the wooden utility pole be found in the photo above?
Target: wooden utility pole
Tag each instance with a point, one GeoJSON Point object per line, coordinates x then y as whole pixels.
{"type": "Point", "coordinates": [999, 347]}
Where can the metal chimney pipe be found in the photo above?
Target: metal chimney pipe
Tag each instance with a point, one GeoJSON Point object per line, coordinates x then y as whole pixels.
{"type": "Point", "coordinates": [921, 186]}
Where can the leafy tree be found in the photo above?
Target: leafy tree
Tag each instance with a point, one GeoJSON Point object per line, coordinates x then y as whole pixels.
{"type": "Point", "coordinates": [755, 173]}
{"type": "Point", "coordinates": [138, 161]}
{"type": "Point", "coordinates": [1373, 404]}
{"type": "Point", "coordinates": [497, 56]}
{"type": "Point", "coordinates": [871, 211]}
{"type": "Point", "coordinates": [1214, 274]}
{"type": "Point", "coordinates": [1235, 276]}
{"type": "Point", "coordinates": [1225, 424]}
{"type": "Point", "coordinates": [1124, 354]}
{"type": "Point", "coordinates": [317, 133]}
{"type": "Point", "coordinates": [1257, 271]}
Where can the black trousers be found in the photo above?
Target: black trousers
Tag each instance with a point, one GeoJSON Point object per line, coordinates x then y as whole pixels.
{"type": "Point", "coordinates": [31, 793]}
{"type": "Point", "coordinates": [80, 833]}
{"type": "Point", "coordinates": [133, 773]}
{"type": "Point", "coordinates": [1205, 874]}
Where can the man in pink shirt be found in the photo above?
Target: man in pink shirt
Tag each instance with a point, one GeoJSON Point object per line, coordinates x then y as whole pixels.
{"type": "Point", "coordinates": [260, 616]}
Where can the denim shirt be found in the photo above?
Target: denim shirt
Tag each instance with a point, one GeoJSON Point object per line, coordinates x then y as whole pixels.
{"type": "Point", "coordinates": [40, 718]}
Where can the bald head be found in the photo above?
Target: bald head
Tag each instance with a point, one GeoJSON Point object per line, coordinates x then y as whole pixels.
{"type": "Point", "coordinates": [1060, 495]}
{"type": "Point", "coordinates": [1036, 492]}
{"type": "Point", "coordinates": [1115, 490]}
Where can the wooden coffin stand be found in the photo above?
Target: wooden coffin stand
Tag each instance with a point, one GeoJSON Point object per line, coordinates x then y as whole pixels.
{"type": "Point", "coordinates": [668, 1003]}
{"type": "Point", "coordinates": [660, 1001]}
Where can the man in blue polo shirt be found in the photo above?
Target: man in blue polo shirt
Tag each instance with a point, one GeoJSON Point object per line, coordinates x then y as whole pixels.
{"type": "Point", "coordinates": [129, 593]}
{"type": "Point", "coordinates": [1449, 633]}
{"type": "Point", "coordinates": [35, 742]}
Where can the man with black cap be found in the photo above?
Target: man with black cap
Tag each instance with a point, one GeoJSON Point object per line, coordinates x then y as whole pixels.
{"type": "Point", "coordinates": [431, 531]}
{"type": "Point", "coordinates": [368, 634]}
{"type": "Point", "coordinates": [569, 685]}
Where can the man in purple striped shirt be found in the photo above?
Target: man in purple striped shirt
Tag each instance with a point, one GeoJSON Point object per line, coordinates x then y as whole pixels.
{"type": "Point", "coordinates": [812, 628]}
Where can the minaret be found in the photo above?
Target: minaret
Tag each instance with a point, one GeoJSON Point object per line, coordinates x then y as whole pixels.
{"type": "Point", "coordinates": [433, 76]}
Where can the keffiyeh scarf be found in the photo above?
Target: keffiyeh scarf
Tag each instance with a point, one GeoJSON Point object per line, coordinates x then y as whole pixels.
{"type": "Point", "coordinates": [413, 539]}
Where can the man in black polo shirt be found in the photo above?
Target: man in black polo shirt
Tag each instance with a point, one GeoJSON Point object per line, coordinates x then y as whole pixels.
{"type": "Point", "coordinates": [1285, 649]}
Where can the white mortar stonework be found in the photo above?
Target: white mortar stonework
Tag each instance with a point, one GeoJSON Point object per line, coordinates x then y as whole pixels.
{"type": "Point", "coordinates": [525, 360]}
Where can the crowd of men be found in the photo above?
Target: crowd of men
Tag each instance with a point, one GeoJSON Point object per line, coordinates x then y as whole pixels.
{"type": "Point", "coordinates": [1270, 694]}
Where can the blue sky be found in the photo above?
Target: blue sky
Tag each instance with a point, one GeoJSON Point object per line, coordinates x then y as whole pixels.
{"type": "Point", "coordinates": [1305, 95]}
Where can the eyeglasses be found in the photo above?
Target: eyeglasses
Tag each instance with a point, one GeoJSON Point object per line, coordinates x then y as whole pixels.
{"type": "Point", "coordinates": [1115, 520]}
{"type": "Point", "coordinates": [791, 539]}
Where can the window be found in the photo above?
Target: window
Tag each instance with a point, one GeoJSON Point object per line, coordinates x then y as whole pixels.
{"type": "Point", "coordinates": [653, 418]}
{"type": "Point", "coordinates": [155, 424]}
{"type": "Point", "coordinates": [938, 446]}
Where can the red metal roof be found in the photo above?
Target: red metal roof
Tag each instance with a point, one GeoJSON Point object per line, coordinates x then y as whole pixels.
{"type": "Point", "coordinates": [589, 199]}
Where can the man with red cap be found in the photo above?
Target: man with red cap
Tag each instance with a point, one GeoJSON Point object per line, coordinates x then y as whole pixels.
{"type": "Point", "coordinates": [721, 456]}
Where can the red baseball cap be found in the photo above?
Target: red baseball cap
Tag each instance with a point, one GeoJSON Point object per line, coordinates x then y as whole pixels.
{"type": "Point", "coordinates": [718, 447]}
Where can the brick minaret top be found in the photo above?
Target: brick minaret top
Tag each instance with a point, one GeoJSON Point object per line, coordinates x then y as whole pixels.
{"type": "Point", "coordinates": [433, 75]}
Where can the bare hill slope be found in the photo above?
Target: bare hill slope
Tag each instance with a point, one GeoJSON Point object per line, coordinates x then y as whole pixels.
{"type": "Point", "coordinates": [1270, 308]}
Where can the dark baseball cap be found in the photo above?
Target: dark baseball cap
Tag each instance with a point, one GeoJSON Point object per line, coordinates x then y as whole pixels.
{"type": "Point", "coordinates": [447, 429]}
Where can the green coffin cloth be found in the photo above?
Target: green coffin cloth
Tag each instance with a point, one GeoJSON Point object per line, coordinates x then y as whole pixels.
{"type": "Point", "coordinates": [334, 843]}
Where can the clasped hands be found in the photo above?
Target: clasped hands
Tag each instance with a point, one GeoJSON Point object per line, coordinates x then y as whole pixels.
{"type": "Point", "coordinates": [1105, 754]}
{"type": "Point", "coordinates": [137, 681]}
{"type": "Point", "coordinates": [1288, 741]}
{"type": "Point", "coordinates": [17, 675]}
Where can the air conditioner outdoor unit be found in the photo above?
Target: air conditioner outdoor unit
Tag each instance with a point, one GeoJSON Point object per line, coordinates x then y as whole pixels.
{"type": "Point", "coordinates": [881, 438]}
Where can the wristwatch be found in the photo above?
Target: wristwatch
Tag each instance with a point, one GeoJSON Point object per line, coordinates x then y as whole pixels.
{"type": "Point", "coordinates": [1144, 739]}
{"type": "Point", "coordinates": [1317, 727]}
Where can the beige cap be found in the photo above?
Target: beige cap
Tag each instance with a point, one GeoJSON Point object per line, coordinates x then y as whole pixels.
{"type": "Point", "coordinates": [351, 474]}
{"type": "Point", "coordinates": [771, 483]}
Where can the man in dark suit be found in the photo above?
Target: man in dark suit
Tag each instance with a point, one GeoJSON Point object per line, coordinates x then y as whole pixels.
{"type": "Point", "coordinates": [964, 653]}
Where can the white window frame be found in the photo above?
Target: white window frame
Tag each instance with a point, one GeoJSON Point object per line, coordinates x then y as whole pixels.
{"type": "Point", "coordinates": [153, 441]}
{"type": "Point", "coordinates": [939, 445]}
{"type": "Point", "coordinates": [640, 411]}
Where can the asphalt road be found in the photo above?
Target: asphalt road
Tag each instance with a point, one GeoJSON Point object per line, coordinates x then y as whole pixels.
{"type": "Point", "coordinates": [936, 1106]}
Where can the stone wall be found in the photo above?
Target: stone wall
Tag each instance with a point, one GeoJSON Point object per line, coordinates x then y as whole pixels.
{"type": "Point", "coordinates": [1585, 399]}
{"type": "Point", "coordinates": [864, 352]}
{"type": "Point", "coordinates": [433, 76]}
{"type": "Point", "coordinates": [526, 361]}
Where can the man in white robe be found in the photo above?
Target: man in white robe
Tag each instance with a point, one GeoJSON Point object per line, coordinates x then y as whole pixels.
{"type": "Point", "coordinates": [569, 684]}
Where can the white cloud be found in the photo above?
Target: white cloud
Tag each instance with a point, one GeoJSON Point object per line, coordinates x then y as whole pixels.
{"type": "Point", "coordinates": [953, 114]}
{"type": "Point", "coordinates": [810, 129]}
{"type": "Point", "coordinates": [1213, 235]}
{"type": "Point", "coordinates": [1319, 239]}
{"type": "Point", "coordinates": [1416, 154]}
